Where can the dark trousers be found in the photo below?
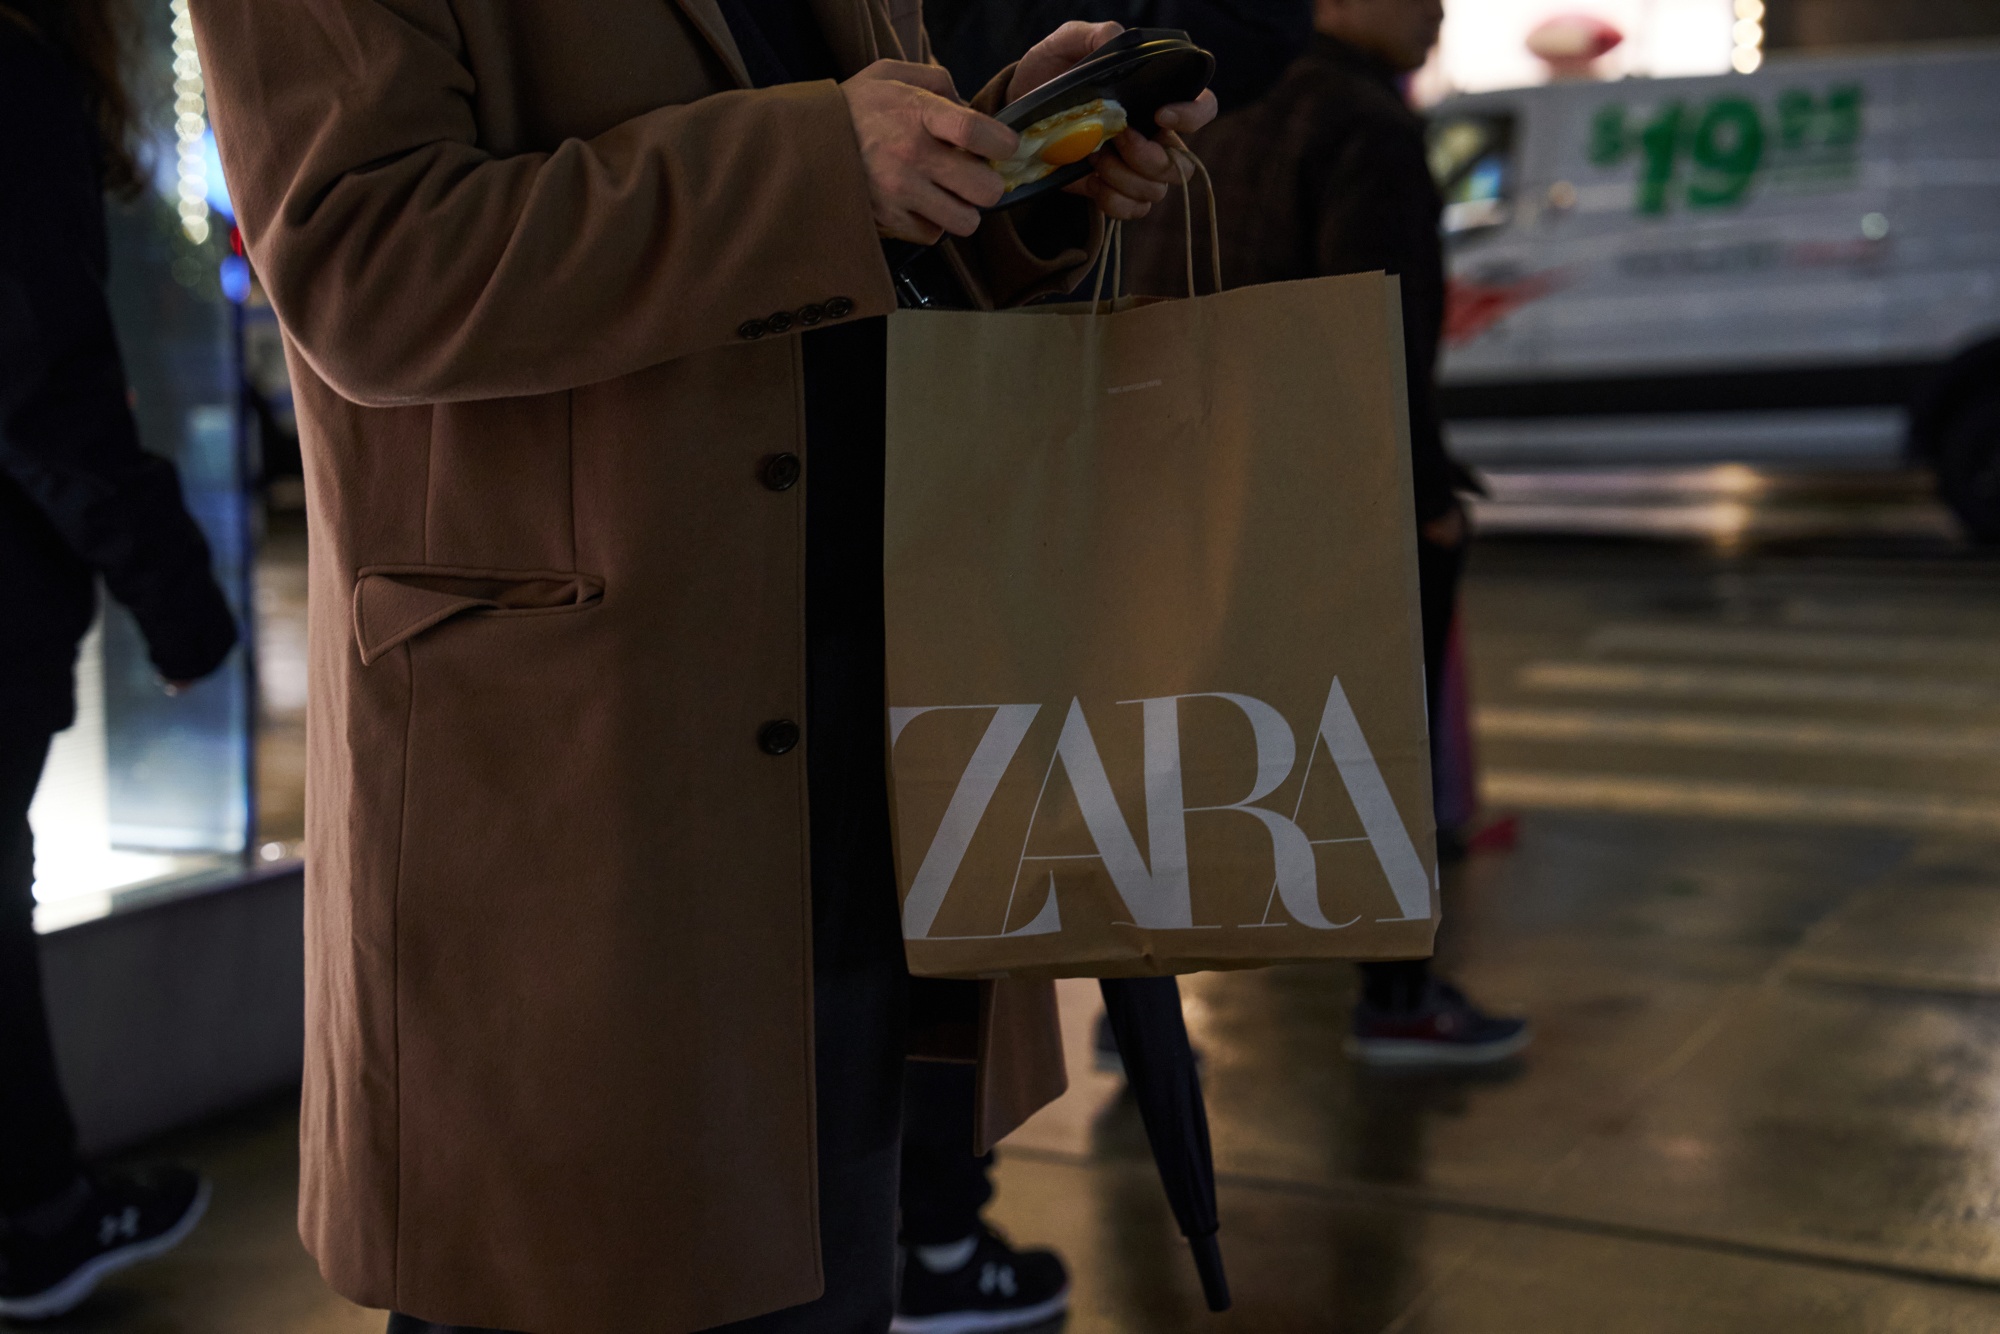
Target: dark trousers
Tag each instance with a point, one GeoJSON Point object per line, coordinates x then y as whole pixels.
{"type": "Point", "coordinates": [37, 1139]}
{"type": "Point", "coordinates": [945, 1184]}
{"type": "Point", "coordinates": [1439, 570]}
{"type": "Point", "coordinates": [1400, 984]}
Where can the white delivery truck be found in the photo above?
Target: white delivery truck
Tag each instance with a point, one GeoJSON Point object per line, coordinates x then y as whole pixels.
{"type": "Point", "coordinates": [1797, 265]}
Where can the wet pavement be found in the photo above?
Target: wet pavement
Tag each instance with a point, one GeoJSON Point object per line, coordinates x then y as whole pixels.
{"type": "Point", "coordinates": [1729, 506]}
{"type": "Point", "coordinates": [1753, 907]}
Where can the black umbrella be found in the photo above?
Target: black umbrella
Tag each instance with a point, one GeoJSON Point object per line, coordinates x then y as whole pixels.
{"type": "Point", "coordinates": [1145, 1016]}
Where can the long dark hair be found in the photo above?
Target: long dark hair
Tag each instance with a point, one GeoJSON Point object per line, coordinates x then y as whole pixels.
{"type": "Point", "coordinates": [95, 37]}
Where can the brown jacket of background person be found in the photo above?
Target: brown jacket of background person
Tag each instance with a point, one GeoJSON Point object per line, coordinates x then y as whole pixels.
{"type": "Point", "coordinates": [1325, 174]}
{"type": "Point", "coordinates": [535, 274]}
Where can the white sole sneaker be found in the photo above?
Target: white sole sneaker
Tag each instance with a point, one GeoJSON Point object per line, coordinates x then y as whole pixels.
{"type": "Point", "coordinates": [1398, 1052]}
{"type": "Point", "coordinates": [982, 1322]}
{"type": "Point", "coordinates": [69, 1294]}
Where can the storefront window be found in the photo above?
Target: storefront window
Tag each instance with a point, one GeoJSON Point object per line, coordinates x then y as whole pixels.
{"type": "Point", "coordinates": [150, 793]}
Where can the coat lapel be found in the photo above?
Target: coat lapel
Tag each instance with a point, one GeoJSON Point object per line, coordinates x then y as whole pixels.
{"type": "Point", "coordinates": [706, 15]}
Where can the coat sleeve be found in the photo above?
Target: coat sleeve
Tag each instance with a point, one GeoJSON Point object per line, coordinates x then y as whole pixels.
{"type": "Point", "coordinates": [67, 438]}
{"type": "Point", "coordinates": [1372, 214]}
{"type": "Point", "coordinates": [410, 265]}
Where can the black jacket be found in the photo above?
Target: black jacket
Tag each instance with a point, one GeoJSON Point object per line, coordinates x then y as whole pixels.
{"type": "Point", "coordinates": [1327, 174]}
{"type": "Point", "coordinates": [78, 496]}
{"type": "Point", "coordinates": [1252, 40]}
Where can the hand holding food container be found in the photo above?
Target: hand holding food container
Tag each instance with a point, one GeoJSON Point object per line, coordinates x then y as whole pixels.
{"type": "Point", "coordinates": [934, 164]}
{"type": "Point", "coordinates": [1088, 86]}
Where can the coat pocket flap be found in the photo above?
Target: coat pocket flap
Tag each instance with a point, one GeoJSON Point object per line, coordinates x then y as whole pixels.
{"type": "Point", "coordinates": [393, 604]}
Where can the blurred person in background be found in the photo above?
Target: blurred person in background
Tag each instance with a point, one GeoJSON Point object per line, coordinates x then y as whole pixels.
{"type": "Point", "coordinates": [79, 500]}
{"type": "Point", "coordinates": [1328, 174]}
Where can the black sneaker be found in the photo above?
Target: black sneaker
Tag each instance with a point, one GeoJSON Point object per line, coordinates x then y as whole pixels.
{"type": "Point", "coordinates": [1446, 1029]}
{"type": "Point", "coordinates": [122, 1218]}
{"type": "Point", "coordinates": [997, 1288]}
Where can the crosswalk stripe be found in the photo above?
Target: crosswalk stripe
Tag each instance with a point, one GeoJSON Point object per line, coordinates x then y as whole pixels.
{"type": "Point", "coordinates": [1729, 641]}
{"type": "Point", "coordinates": [1629, 794]}
{"type": "Point", "coordinates": [1722, 732]}
{"type": "Point", "coordinates": [1753, 685]}
{"type": "Point", "coordinates": [1910, 615]}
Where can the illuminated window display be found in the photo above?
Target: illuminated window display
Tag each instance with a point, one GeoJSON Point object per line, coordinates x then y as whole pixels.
{"type": "Point", "coordinates": [150, 793]}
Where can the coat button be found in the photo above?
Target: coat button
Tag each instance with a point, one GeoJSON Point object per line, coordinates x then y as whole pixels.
{"type": "Point", "coordinates": [780, 472]}
{"type": "Point", "coordinates": [839, 308]}
{"type": "Point", "coordinates": [778, 736]}
{"type": "Point", "coordinates": [751, 330]}
{"type": "Point", "coordinates": [812, 314]}
{"type": "Point", "coordinates": [780, 322]}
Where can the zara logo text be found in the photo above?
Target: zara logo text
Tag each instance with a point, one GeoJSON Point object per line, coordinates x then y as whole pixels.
{"type": "Point", "coordinates": [1156, 887]}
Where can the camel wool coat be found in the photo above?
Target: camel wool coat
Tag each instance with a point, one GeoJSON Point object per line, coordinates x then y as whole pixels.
{"type": "Point", "coordinates": [541, 265]}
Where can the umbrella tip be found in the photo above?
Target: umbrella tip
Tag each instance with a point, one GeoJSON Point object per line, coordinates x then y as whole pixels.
{"type": "Point", "coordinates": [1208, 1263]}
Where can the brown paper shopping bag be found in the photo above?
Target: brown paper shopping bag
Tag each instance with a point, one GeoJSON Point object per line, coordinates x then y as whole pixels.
{"type": "Point", "coordinates": [1154, 665]}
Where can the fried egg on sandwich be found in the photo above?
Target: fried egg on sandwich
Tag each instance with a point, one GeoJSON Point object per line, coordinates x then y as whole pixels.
{"type": "Point", "coordinates": [1058, 140]}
